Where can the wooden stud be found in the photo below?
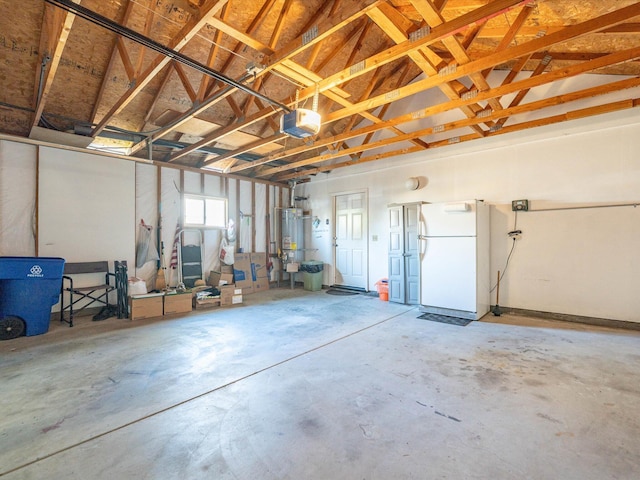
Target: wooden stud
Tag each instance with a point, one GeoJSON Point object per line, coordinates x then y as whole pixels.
{"type": "Point", "coordinates": [253, 216]}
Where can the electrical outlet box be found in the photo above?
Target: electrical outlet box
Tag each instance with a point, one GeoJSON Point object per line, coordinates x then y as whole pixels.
{"type": "Point", "coordinates": [520, 205]}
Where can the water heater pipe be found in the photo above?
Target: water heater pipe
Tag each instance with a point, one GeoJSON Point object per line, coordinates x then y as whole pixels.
{"type": "Point", "coordinates": [292, 193]}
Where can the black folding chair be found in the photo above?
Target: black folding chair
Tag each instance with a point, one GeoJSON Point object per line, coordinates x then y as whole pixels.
{"type": "Point", "coordinates": [93, 293]}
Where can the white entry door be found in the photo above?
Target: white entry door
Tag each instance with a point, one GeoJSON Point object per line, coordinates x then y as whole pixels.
{"type": "Point", "coordinates": [350, 240]}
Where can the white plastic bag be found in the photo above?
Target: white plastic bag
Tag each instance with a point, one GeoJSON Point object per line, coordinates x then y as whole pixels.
{"type": "Point", "coordinates": [137, 286]}
{"type": "Point", "coordinates": [146, 250]}
{"type": "Point", "coordinates": [226, 252]}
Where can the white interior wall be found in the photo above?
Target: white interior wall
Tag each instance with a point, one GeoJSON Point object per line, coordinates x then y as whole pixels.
{"type": "Point", "coordinates": [580, 262]}
{"type": "Point", "coordinates": [81, 219]}
{"type": "Point", "coordinates": [17, 199]}
{"type": "Point", "coordinates": [88, 199]}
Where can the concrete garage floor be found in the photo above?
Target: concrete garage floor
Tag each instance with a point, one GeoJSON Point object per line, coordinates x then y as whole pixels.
{"type": "Point", "coordinates": [305, 385]}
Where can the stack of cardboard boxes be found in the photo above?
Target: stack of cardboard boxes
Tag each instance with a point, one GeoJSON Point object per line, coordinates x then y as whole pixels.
{"type": "Point", "coordinates": [250, 272]}
{"type": "Point", "coordinates": [247, 275]}
{"type": "Point", "coordinates": [158, 304]}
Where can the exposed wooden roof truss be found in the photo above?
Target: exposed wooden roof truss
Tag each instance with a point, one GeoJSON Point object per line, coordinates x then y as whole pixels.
{"type": "Point", "coordinates": [459, 69]}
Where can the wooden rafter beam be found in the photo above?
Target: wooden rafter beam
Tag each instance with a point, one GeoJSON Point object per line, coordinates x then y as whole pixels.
{"type": "Point", "coordinates": [400, 50]}
{"type": "Point", "coordinates": [557, 56]}
{"type": "Point", "coordinates": [250, 100]}
{"type": "Point", "coordinates": [477, 15]}
{"type": "Point", "coordinates": [156, 99]}
{"type": "Point", "coordinates": [222, 93]}
{"type": "Point", "coordinates": [533, 30]}
{"type": "Point", "coordinates": [488, 64]}
{"type": "Point", "coordinates": [113, 59]}
{"type": "Point", "coordinates": [207, 83]}
{"type": "Point", "coordinates": [497, 58]}
{"type": "Point", "coordinates": [213, 55]}
{"type": "Point", "coordinates": [242, 37]}
{"type": "Point", "coordinates": [286, 68]}
{"type": "Point", "coordinates": [148, 24]}
{"type": "Point", "coordinates": [374, 82]}
{"type": "Point", "coordinates": [329, 26]}
{"type": "Point", "coordinates": [126, 60]}
{"type": "Point", "coordinates": [542, 65]}
{"type": "Point", "coordinates": [272, 123]}
{"type": "Point", "coordinates": [255, 23]}
{"type": "Point", "coordinates": [312, 78]}
{"type": "Point", "coordinates": [496, 92]}
{"type": "Point", "coordinates": [190, 29]}
{"type": "Point", "coordinates": [432, 15]}
{"type": "Point", "coordinates": [218, 164]}
{"type": "Point", "coordinates": [348, 163]}
{"type": "Point", "coordinates": [323, 30]}
{"type": "Point", "coordinates": [571, 115]}
{"type": "Point", "coordinates": [512, 32]}
{"type": "Point", "coordinates": [390, 21]}
{"type": "Point", "coordinates": [277, 31]}
{"type": "Point", "coordinates": [56, 26]}
{"type": "Point", "coordinates": [184, 80]}
{"type": "Point", "coordinates": [383, 111]}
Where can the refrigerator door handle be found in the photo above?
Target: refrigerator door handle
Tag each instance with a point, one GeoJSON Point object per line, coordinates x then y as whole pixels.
{"type": "Point", "coordinates": [422, 239]}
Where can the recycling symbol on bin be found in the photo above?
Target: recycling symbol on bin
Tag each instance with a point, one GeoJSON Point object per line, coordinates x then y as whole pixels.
{"type": "Point", "coordinates": [36, 270]}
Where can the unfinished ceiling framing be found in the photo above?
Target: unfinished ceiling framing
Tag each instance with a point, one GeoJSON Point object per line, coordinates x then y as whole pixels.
{"type": "Point", "coordinates": [465, 69]}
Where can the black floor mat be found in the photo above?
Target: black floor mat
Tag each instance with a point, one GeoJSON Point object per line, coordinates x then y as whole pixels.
{"type": "Point", "coordinates": [435, 317]}
{"type": "Point", "coordinates": [339, 291]}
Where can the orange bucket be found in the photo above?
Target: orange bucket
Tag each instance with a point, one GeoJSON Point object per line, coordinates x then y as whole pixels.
{"type": "Point", "coordinates": [383, 289]}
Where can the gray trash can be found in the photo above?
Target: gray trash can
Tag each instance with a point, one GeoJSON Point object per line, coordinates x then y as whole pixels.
{"type": "Point", "coordinates": [312, 272]}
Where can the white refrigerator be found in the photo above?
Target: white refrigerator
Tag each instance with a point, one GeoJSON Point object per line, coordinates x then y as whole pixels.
{"type": "Point", "coordinates": [454, 266]}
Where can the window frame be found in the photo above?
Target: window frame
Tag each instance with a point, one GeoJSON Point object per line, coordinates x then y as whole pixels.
{"type": "Point", "coordinates": [204, 198]}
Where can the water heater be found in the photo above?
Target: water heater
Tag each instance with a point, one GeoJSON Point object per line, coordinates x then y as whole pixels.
{"type": "Point", "coordinates": [291, 234]}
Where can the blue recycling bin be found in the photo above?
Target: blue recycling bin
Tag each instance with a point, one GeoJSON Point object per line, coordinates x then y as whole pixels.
{"type": "Point", "coordinates": [29, 287]}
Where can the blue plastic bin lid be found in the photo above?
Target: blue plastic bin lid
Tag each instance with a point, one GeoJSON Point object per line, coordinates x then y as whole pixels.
{"type": "Point", "coordinates": [31, 268]}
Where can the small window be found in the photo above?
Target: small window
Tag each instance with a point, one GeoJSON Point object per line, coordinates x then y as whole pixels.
{"type": "Point", "coordinates": [202, 211]}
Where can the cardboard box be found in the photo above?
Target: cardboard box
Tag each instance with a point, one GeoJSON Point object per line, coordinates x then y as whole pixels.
{"type": "Point", "coordinates": [226, 269]}
{"type": "Point", "coordinates": [242, 272]}
{"type": "Point", "coordinates": [230, 295]}
{"type": "Point", "coordinates": [258, 265]}
{"type": "Point", "coordinates": [145, 306]}
{"type": "Point", "coordinates": [200, 304]}
{"type": "Point", "coordinates": [260, 284]}
{"type": "Point", "coordinates": [219, 278]}
{"type": "Point", "coordinates": [259, 273]}
{"type": "Point", "coordinates": [177, 303]}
